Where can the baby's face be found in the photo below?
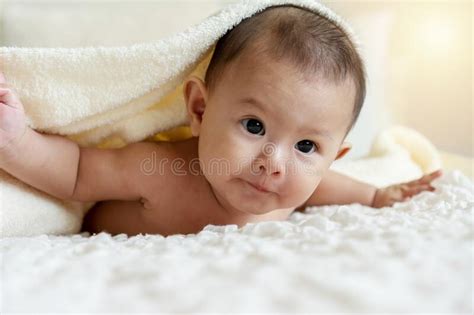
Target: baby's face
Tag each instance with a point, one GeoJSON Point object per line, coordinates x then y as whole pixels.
{"type": "Point", "coordinates": [265, 125]}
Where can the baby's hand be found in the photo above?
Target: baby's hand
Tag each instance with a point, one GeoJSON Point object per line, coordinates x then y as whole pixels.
{"type": "Point", "coordinates": [12, 115]}
{"type": "Point", "coordinates": [386, 197]}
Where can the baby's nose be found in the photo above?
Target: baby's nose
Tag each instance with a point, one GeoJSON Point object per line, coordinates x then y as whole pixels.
{"type": "Point", "coordinates": [273, 160]}
{"type": "Point", "coordinates": [272, 168]}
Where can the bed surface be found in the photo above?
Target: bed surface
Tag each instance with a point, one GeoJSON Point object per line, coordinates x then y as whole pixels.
{"type": "Point", "coordinates": [413, 257]}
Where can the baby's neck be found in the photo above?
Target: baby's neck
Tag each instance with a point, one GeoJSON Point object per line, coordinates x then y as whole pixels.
{"type": "Point", "coordinates": [228, 209]}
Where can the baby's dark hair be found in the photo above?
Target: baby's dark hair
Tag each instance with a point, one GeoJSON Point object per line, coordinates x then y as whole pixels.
{"type": "Point", "coordinates": [312, 42]}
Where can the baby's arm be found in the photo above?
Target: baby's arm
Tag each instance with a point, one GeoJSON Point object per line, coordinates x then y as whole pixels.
{"type": "Point", "coordinates": [336, 188]}
{"type": "Point", "coordinates": [59, 167]}
{"type": "Point", "coordinates": [46, 162]}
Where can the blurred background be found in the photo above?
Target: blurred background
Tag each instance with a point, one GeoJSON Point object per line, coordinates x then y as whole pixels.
{"type": "Point", "coordinates": [418, 53]}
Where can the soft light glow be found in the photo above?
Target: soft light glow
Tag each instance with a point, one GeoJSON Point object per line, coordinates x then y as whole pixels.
{"type": "Point", "coordinates": [437, 33]}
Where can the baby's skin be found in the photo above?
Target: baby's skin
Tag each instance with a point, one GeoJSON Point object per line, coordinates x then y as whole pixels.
{"type": "Point", "coordinates": [262, 144]}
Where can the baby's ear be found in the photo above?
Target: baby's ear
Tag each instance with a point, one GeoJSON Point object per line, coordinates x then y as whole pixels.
{"type": "Point", "coordinates": [195, 97]}
{"type": "Point", "coordinates": [345, 147]}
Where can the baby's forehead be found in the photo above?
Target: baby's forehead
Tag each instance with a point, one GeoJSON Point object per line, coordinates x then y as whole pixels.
{"type": "Point", "coordinates": [260, 65]}
{"type": "Point", "coordinates": [285, 95]}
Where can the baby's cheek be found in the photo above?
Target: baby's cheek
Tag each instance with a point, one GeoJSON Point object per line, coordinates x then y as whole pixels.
{"type": "Point", "coordinates": [300, 189]}
{"type": "Point", "coordinates": [240, 163]}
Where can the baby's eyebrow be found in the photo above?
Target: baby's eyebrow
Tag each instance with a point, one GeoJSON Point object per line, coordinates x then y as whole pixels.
{"type": "Point", "coordinates": [253, 101]}
{"type": "Point", "coordinates": [321, 132]}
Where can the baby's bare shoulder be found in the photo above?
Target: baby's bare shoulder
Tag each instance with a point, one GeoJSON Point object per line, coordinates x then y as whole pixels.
{"type": "Point", "coordinates": [168, 168]}
{"type": "Point", "coordinates": [115, 174]}
{"type": "Point", "coordinates": [144, 159]}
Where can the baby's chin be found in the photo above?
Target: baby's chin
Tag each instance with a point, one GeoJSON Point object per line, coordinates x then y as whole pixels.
{"type": "Point", "coordinates": [241, 199]}
{"type": "Point", "coordinates": [253, 206]}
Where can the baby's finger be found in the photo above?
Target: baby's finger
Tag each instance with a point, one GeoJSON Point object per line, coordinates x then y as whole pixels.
{"type": "Point", "coordinates": [414, 190]}
{"type": "Point", "coordinates": [426, 179]}
{"type": "Point", "coordinates": [2, 78]}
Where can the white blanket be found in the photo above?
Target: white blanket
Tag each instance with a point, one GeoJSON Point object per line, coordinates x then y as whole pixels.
{"type": "Point", "coordinates": [414, 257]}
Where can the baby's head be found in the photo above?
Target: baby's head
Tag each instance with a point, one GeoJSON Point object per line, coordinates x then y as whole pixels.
{"type": "Point", "coordinates": [282, 90]}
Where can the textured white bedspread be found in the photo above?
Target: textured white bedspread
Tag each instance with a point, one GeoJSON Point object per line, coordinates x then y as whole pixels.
{"type": "Point", "coordinates": [414, 257]}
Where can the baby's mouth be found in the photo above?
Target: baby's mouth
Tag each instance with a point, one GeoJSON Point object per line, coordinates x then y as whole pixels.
{"type": "Point", "coordinates": [258, 187]}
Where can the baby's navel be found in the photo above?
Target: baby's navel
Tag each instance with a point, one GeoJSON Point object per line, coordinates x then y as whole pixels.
{"type": "Point", "coordinates": [146, 203]}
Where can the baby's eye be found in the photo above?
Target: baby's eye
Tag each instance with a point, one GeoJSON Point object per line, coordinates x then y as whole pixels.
{"type": "Point", "coordinates": [306, 146]}
{"type": "Point", "coordinates": [253, 126]}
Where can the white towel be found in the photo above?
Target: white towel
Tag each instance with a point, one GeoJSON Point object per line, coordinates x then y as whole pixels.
{"type": "Point", "coordinates": [109, 97]}
{"type": "Point", "coordinates": [126, 92]}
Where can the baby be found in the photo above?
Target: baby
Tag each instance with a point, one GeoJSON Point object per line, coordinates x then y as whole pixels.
{"type": "Point", "coordinates": [283, 89]}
